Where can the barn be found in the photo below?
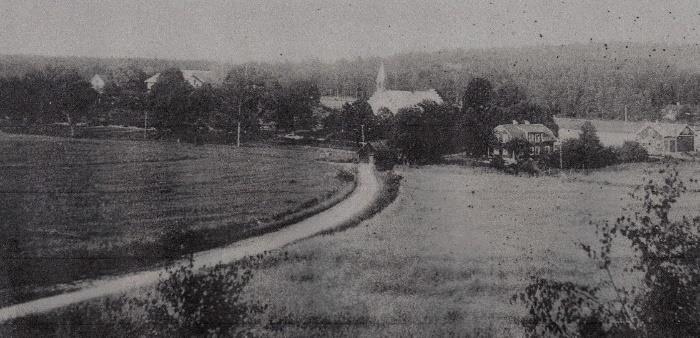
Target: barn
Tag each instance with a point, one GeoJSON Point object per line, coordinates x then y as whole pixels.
{"type": "Point", "coordinates": [666, 138]}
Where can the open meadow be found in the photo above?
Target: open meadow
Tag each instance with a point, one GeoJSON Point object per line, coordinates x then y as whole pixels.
{"type": "Point", "coordinates": [447, 256]}
{"type": "Point", "coordinates": [73, 209]}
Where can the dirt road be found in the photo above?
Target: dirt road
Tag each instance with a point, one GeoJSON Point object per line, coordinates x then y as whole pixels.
{"type": "Point", "coordinates": [366, 192]}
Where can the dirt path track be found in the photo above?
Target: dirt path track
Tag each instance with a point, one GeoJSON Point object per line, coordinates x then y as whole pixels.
{"type": "Point", "coordinates": [365, 194]}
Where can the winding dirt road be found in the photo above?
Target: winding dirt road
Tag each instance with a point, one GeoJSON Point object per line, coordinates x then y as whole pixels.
{"type": "Point", "coordinates": [366, 192]}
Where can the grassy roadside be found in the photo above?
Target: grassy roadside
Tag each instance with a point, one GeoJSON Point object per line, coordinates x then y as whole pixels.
{"type": "Point", "coordinates": [445, 258]}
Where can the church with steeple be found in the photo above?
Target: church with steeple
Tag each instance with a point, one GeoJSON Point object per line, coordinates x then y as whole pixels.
{"type": "Point", "coordinates": [394, 100]}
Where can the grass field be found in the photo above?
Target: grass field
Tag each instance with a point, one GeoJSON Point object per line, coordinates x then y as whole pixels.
{"type": "Point", "coordinates": [74, 209]}
{"type": "Point", "coordinates": [447, 255]}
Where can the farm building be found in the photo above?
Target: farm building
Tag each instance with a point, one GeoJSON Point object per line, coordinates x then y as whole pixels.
{"type": "Point", "coordinates": [666, 138]}
{"type": "Point", "coordinates": [196, 78]}
{"type": "Point", "coordinates": [610, 132]}
{"type": "Point", "coordinates": [98, 82]}
{"type": "Point", "coordinates": [540, 137]}
{"type": "Point", "coordinates": [393, 100]}
{"type": "Point", "coordinates": [378, 152]}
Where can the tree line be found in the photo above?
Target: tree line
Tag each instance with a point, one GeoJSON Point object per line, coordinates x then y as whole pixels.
{"type": "Point", "coordinates": [173, 106]}
{"type": "Point", "coordinates": [595, 80]}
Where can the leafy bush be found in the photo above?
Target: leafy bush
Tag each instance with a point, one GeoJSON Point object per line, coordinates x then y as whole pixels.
{"type": "Point", "coordinates": [668, 257]}
{"type": "Point", "coordinates": [345, 175]}
{"type": "Point", "coordinates": [187, 303]}
{"type": "Point", "coordinates": [632, 152]}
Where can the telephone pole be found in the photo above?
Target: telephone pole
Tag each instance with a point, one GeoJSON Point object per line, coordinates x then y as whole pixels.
{"type": "Point", "coordinates": [238, 135]}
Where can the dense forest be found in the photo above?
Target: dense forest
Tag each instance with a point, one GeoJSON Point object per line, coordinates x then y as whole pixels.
{"type": "Point", "coordinates": [594, 80]}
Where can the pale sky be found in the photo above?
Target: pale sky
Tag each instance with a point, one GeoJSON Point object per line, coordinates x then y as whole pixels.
{"type": "Point", "coordinates": [275, 30]}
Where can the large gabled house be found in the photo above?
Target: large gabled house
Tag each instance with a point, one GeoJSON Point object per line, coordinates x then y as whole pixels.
{"type": "Point", "coordinates": [540, 137]}
{"type": "Point", "coordinates": [196, 78]}
{"type": "Point", "coordinates": [666, 138]}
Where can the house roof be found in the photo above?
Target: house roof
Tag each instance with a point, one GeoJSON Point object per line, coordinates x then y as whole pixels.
{"type": "Point", "coordinates": [521, 130]}
{"type": "Point", "coordinates": [397, 99]}
{"type": "Point", "coordinates": [605, 126]}
{"type": "Point", "coordinates": [153, 79]}
{"type": "Point", "coordinates": [336, 102]}
{"type": "Point", "coordinates": [204, 76]}
{"type": "Point", "coordinates": [667, 129]}
{"type": "Point", "coordinates": [191, 76]}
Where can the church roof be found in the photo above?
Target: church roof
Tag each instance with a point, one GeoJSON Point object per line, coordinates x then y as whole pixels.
{"type": "Point", "coordinates": [397, 99]}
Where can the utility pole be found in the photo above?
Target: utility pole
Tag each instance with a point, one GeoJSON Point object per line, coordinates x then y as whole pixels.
{"type": "Point", "coordinates": [363, 133]}
{"type": "Point", "coordinates": [238, 135]}
{"type": "Point", "coordinates": [238, 128]}
{"type": "Point", "coordinates": [145, 125]}
{"type": "Point", "coordinates": [625, 113]}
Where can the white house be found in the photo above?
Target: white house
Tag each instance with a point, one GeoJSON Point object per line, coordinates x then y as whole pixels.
{"type": "Point", "coordinates": [98, 82]}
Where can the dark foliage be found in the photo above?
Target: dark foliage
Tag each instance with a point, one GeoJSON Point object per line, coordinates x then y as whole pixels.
{"type": "Point", "coordinates": [185, 303]}
{"type": "Point", "coordinates": [483, 111]}
{"type": "Point", "coordinates": [632, 152]}
{"type": "Point", "coordinates": [586, 152]}
{"type": "Point", "coordinates": [47, 96]}
{"type": "Point", "coordinates": [423, 134]}
{"type": "Point", "coordinates": [667, 255]}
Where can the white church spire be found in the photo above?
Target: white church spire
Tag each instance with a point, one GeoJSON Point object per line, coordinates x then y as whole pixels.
{"type": "Point", "coordinates": [381, 79]}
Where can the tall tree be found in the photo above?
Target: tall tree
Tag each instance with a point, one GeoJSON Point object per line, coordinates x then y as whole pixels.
{"type": "Point", "coordinates": [478, 94]}
{"type": "Point", "coordinates": [478, 116]}
{"type": "Point", "coordinates": [169, 102]}
{"type": "Point", "coordinates": [74, 98]}
{"type": "Point", "coordinates": [295, 103]}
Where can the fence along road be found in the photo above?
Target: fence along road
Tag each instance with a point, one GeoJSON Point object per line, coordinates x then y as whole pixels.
{"type": "Point", "coordinates": [366, 192]}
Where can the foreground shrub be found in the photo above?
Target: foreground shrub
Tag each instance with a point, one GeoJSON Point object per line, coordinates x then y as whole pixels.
{"type": "Point", "coordinates": [668, 258]}
{"type": "Point", "coordinates": [187, 303]}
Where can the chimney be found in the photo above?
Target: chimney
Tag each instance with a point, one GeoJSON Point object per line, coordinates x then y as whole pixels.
{"type": "Point", "coordinates": [515, 122]}
{"type": "Point", "coordinates": [526, 122]}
